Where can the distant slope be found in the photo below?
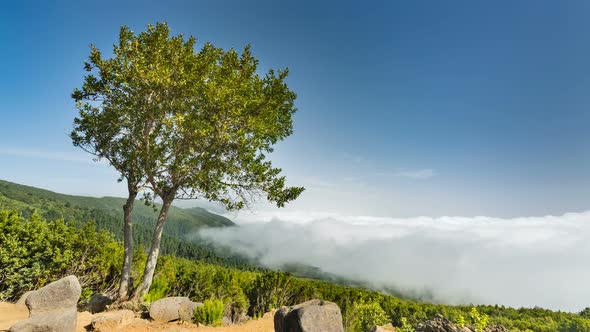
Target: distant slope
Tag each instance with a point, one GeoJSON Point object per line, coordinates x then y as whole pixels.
{"type": "Point", "coordinates": [107, 213]}
{"type": "Point", "coordinates": [54, 205]}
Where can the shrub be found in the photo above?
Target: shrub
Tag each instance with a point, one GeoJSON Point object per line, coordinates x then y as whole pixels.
{"type": "Point", "coordinates": [236, 304]}
{"type": "Point", "coordinates": [271, 290]}
{"type": "Point", "coordinates": [363, 316]}
{"type": "Point", "coordinates": [406, 327]}
{"type": "Point", "coordinates": [479, 321]}
{"type": "Point", "coordinates": [158, 290]}
{"type": "Point", "coordinates": [210, 313]}
{"type": "Point", "coordinates": [461, 321]}
{"type": "Point", "coordinates": [34, 253]}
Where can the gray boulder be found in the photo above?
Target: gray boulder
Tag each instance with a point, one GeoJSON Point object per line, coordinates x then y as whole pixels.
{"type": "Point", "coordinates": [63, 320]}
{"type": "Point", "coordinates": [173, 308]}
{"type": "Point", "coordinates": [52, 308]}
{"type": "Point", "coordinates": [311, 316]}
{"type": "Point", "coordinates": [98, 303]}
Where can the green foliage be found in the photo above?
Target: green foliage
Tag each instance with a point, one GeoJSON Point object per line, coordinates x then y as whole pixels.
{"type": "Point", "coordinates": [230, 291]}
{"type": "Point", "coordinates": [360, 317]}
{"type": "Point", "coordinates": [478, 321]}
{"type": "Point", "coordinates": [105, 212]}
{"type": "Point", "coordinates": [34, 252]}
{"type": "Point", "coordinates": [163, 282]}
{"type": "Point", "coordinates": [271, 290]}
{"type": "Point", "coordinates": [210, 313]}
{"type": "Point", "coordinates": [406, 327]}
{"type": "Point", "coordinates": [461, 321]}
{"type": "Point", "coordinates": [160, 288]}
{"type": "Point", "coordinates": [190, 123]}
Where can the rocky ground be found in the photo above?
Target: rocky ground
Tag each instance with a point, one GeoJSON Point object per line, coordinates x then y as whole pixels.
{"type": "Point", "coordinates": [11, 313]}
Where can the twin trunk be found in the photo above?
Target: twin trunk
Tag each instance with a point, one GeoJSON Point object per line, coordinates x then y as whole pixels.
{"type": "Point", "coordinates": [150, 265]}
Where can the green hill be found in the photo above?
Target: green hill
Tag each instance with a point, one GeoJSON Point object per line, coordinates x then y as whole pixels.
{"type": "Point", "coordinates": [107, 214]}
{"type": "Point", "coordinates": [52, 205]}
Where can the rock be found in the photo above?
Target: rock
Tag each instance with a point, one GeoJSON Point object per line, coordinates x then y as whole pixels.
{"type": "Point", "coordinates": [311, 316]}
{"type": "Point", "coordinates": [23, 298]}
{"type": "Point", "coordinates": [279, 319]}
{"type": "Point", "coordinates": [52, 308]}
{"type": "Point", "coordinates": [112, 321]}
{"type": "Point", "coordinates": [384, 328]}
{"type": "Point", "coordinates": [63, 320]}
{"type": "Point", "coordinates": [98, 303]}
{"type": "Point", "coordinates": [61, 294]}
{"type": "Point", "coordinates": [173, 308]}
{"type": "Point", "coordinates": [495, 328]}
{"type": "Point", "coordinates": [186, 312]}
{"type": "Point", "coordinates": [440, 324]}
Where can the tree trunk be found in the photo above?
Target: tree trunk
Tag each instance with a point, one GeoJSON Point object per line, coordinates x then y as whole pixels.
{"type": "Point", "coordinates": [125, 284]}
{"type": "Point", "coordinates": [150, 264]}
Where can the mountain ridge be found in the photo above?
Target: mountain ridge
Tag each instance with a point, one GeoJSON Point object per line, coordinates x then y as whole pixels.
{"type": "Point", "coordinates": [107, 214]}
{"type": "Point", "coordinates": [10, 192]}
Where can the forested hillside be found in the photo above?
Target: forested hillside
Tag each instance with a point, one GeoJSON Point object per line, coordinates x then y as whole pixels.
{"type": "Point", "coordinates": [106, 213]}
{"type": "Point", "coordinates": [35, 252]}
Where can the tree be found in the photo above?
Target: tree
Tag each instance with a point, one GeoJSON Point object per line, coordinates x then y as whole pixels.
{"type": "Point", "coordinates": [111, 125]}
{"type": "Point", "coordinates": [201, 122]}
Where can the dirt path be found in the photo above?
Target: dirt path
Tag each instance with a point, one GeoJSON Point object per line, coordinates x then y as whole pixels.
{"type": "Point", "coordinates": [11, 313]}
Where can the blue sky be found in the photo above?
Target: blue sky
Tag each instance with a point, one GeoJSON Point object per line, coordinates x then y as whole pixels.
{"type": "Point", "coordinates": [406, 108]}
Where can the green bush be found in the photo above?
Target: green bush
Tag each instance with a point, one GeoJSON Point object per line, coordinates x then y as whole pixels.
{"type": "Point", "coordinates": [461, 321]}
{"type": "Point", "coordinates": [361, 317]}
{"type": "Point", "coordinates": [271, 290]}
{"type": "Point", "coordinates": [406, 327]}
{"type": "Point", "coordinates": [34, 253]}
{"type": "Point", "coordinates": [478, 321]}
{"type": "Point", "coordinates": [210, 313]}
{"type": "Point", "coordinates": [158, 290]}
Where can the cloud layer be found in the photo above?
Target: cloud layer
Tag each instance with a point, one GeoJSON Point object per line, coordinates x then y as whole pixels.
{"type": "Point", "coordinates": [534, 261]}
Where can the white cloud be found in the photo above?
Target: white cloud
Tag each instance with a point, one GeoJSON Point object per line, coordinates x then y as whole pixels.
{"type": "Point", "coordinates": [533, 261]}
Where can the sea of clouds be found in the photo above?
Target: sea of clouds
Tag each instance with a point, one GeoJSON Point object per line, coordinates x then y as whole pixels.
{"type": "Point", "coordinates": [532, 261]}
